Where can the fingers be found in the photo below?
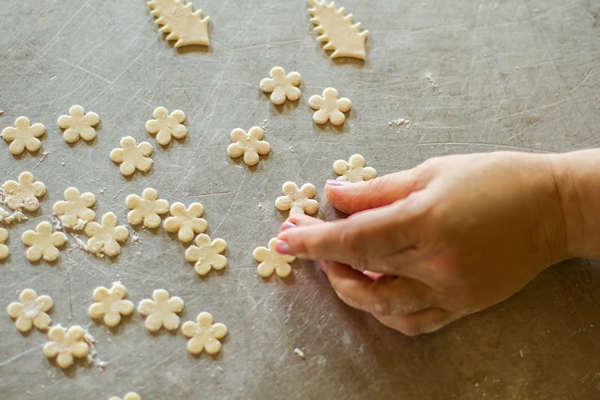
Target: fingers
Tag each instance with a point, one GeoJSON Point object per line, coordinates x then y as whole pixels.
{"type": "Point", "coordinates": [371, 234]}
{"type": "Point", "coordinates": [385, 296]}
{"type": "Point", "coordinates": [425, 321]}
{"type": "Point", "coordinates": [353, 197]}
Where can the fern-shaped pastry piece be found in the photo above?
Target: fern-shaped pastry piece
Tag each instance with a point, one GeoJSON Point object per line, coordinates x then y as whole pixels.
{"type": "Point", "coordinates": [180, 22]}
{"type": "Point", "coordinates": [337, 30]}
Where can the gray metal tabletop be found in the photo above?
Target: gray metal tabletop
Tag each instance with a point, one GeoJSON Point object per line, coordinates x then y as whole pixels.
{"type": "Point", "coordinates": [440, 77]}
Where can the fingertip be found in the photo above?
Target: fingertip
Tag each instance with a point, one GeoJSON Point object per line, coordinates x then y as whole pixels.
{"type": "Point", "coordinates": [287, 225]}
{"type": "Point", "coordinates": [282, 247]}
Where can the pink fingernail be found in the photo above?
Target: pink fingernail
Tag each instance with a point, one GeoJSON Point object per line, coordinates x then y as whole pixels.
{"type": "Point", "coordinates": [322, 264]}
{"type": "Point", "coordinates": [287, 225]}
{"type": "Point", "coordinates": [335, 182]}
{"type": "Point", "coordinates": [282, 247]}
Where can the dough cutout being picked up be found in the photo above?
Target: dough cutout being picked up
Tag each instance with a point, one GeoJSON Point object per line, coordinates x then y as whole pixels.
{"type": "Point", "coordinates": [110, 304]}
{"type": "Point", "coordinates": [161, 311]}
{"type": "Point", "coordinates": [271, 261]}
{"type": "Point", "coordinates": [354, 170]}
{"type": "Point", "coordinates": [298, 201]}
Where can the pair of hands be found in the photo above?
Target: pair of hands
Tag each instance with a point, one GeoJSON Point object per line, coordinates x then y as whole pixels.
{"type": "Point", "coordinates": [450, 237]}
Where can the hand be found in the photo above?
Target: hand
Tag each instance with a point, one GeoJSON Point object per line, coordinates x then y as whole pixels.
{"type": "Point", "coordinates": [448, 238]}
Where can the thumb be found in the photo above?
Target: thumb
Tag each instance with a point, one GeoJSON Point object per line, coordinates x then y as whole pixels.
{"type": "Point", "coordinates": [351, 198]}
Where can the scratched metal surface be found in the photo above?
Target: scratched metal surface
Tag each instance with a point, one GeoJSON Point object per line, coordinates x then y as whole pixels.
{"type": "Point", "coordinates": [469, 76]}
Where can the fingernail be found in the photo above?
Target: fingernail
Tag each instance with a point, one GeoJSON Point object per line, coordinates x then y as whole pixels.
{"type": "Point", "coordinates": [335, 182]}
{"type": "Point", "coordinates": [282, 247]}
{"type": "Point", "coordinates": [322, 264]}
{"type": "Point", "coordinates": [287, 225]}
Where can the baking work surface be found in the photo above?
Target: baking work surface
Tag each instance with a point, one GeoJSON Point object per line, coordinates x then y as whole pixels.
{"type": "Point", "coordinates": [440, 77]}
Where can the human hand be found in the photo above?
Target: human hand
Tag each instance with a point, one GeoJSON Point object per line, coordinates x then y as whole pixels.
{"type": "Point", "coordinates": [428, 245]}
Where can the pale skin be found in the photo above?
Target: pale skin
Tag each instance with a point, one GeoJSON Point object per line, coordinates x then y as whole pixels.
{"type": "Point", "coordinates": [452, 236]}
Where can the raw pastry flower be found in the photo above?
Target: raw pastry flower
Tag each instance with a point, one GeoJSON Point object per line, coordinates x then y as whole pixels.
{"type": "Point", "coordinates": [128, 396]}
{"type": "Point", "coordinates": [31, 311]}
{"type": "Point", "coordinates": [3, 248]}
{"type": "Point", "coordinates": [298, 201]}
{"type": "Point", "coordinates": [166, 126]}
{"type": "Point", "coordinates": [110, 304]}
{"type": "Point", "coordinates": [75, 212]}
{"type": "Point", "coordinates": [104, 237]}
{"type": "Point", "coordinates": [281, 86]}
{"type": "Point", "coordinates": [186, 222]}
{"type": "Point", "coordinates": [66, 345]}
{"type": "Point", "coordinates": [250, 145]}
{"type": "Point", "coordinates": [43, 243]}
{"type": "Point", "coordinates": [204, 334]}
{"type": "Point", "coordinates": [24, 194]}
{"type": "Point", "coordinates": [132, 156]}
{"type": "Point", "coordinates": [354, 170]}
{"type": "Point", "coordinates": [271, 261]}
{"type": "Point", "coordinates": [23, 136]}
{"type": "Point", "coordinates": [330, 108]}
{"type": "Point", "coordinates": [78, 124]}
{"type": "Point", "coordinates": [146, 209]}
{"type": "Point", "coordinates": [206, 254]}
{"type": "Point", "coordinates": [162, 311]}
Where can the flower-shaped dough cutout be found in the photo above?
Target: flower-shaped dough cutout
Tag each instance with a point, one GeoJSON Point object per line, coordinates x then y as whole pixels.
{"type": "Point", "coordinates": [132, 156]}
{"type": "Point", "coordinates": [206, 254]}
{"type": "Point", "coordinates": [354, 170]}
{"type": "Point", "coordinates": [43, 242]}
{"type": "Point", "coordinates": [104, 237]}
{"type": "Point", "coordinates": [3, 247]}
{"type": "Point", "coordinates": [24, 193]}
{"type": "Point", "coordinates": [167, 126]}
{"type": "Point", "coordinates": [281, 86]}
{"type": "Point", "coordinates": [23, 136]}
{"type": "Point", "coordinates": [31, 311]}
{"type": "Point", "coordinates": [146, 209]}
{"type": "Point", "coordinates": [78, 124]}
{"type": "Point", "coordinates": [271, 261]}
{"type": "Point", "coordinates": [248, 144]}
{"type": "Point", "coordinates": [66, 345]}
{"type": "Point", "coordinates": [128, 396]}
{"type": "Point", "coordinates": [329, 107]}
{"type": "Point", "coordinates": [298, 201]}
{"type": "Point", "coordinates": [161, 311]}
{"type": "Point", "coordinates": [75, 212]}
{"type": "Point", "coordinates": [204, 334]}
{"type": "Point", "coordinates": [110, 304]}
{"type": "Point", "coordinates": [186, 221]}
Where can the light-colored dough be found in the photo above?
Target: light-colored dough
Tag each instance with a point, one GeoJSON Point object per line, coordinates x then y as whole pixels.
{"type": "Point", "coordinates": [4, 252]}
{"type": "Point", "coordinates": [24, 193]}
{"type": "Point", "coordinates": [204, 334]}
{"type": "Point", "coordinates": [181, 22]}
{"type": "Point", "coordinates": [31, 311]}
{"type": "Point", "coordinates": [298, 201]}
{"type": "Point", "coordinates": [281, 86]}
{"type": "Point", "coordinates": [206, 254]}
{"type": "Point", "coordinates": [146, 209]}
{"type": "Point", "coordinates": [248, 144]}
{"type": "Point", "coordinates": [110, 304]}
{"type": "Point", "coordinates": [75, 212]}
{"type": "Point", "coordinates": [337, 30]}
{"type": "Point", "coordinates": [354, 170]}
{"type": "Point", "coordinates": [104, 237]}
{"type": "Point", "coordinates": [329, 107]}
{"type": "Point", "coordinates": [64, 345]}
{"type": "Point", "coordinates": [43, 242]}
{"type": "Point", "coordinates": [271, 261]}
{"type": "Point", "coordinates": [186, 222]}
{"type": "Point", "coordinates": [161, 311]}
{"type": "Point", "coordinates": [23, 136]}
{"type": "Point", "coordinates": [128, 396]}
{"type": "Point", "coordinates": [132, 156]}
{"type": "Point", "coordinates": [166, 126]}
{"type": "Point", "coordinates": [78, 124]}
